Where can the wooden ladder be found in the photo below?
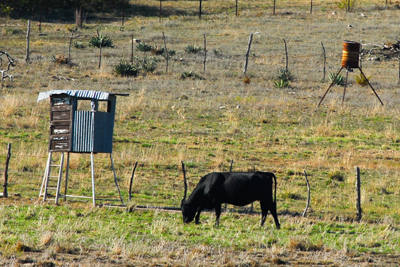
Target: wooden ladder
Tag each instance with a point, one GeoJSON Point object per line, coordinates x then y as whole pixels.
{"type": "Point", "coordinates": [48, 178]}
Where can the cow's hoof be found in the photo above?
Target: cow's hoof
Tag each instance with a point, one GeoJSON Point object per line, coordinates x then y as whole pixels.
{"type": "Point", "coordinates": [278, 226]}
{"type": "Point", "coordinates": [197, 222]}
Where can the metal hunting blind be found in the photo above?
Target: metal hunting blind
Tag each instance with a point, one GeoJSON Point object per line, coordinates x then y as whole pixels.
{"type": "Point", "coordinates": [81, 121]}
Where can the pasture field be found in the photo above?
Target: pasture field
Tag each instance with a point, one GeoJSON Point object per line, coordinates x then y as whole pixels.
{"type": "Point", "coordinates": [207, 118]}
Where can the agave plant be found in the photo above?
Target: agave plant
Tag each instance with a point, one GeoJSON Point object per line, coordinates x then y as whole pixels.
{"type": "Point", "coordinates": [104, 40]}
{"type": "Point", "coordinates": [339, 79]}
{"type": "Point", "coordinates": [281, 84]}
{"type": "Point", "coordinates": [284, 75]}
{"type": "Point", "coordinates": [143, 47]}
{"type": "Point", "coordinates": [192, 49]}
{"type": "Point", "coordinates": [126, 69]}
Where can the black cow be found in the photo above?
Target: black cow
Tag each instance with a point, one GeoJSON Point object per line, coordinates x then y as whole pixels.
{"type": "Point", "coordinates": [236, 188]}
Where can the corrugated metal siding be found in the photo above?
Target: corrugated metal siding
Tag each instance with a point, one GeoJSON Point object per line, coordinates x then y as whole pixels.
{"type": "Point", "coordinates": [82, 139]}
{"type": "Point", "coordinates": [76, 93]}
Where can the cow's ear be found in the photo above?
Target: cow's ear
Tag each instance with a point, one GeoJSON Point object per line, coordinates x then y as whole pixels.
{"type": "Point", "coordinates": [183, 202]}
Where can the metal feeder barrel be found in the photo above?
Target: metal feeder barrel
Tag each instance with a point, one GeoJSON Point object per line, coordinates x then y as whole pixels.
{"type": "Point", "coordinates": [351, 53]}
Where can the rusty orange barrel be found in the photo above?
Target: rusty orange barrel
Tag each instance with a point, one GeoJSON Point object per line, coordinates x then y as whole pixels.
{"type": "Point", "coordinates": [351, 53]}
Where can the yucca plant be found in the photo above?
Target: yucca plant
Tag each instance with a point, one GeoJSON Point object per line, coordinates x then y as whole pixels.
{"type": "Point", "coordinates": [281, 84]}
{"type": "Point", "coordinates": [284, 78]}
{"type": "Point", "coordinates": [79, 45]}
{"type": "Point", "coordinates": [191, 74]}
{"type": "Point", "coordinates": [104, 40]}
{"type": "Point", "coordinates": [148, 64]}
{"type": "Point", "coordinates": [361, 80]}
{"type": "Point", "coordinates": [285, 75]}
{"type": "Point", "coordinates": [143, 47]}
{"type": "Point", "coordinates": [192, 49]}
{"type": "Point", "coordinates": [126, 69]}
{"type": "Point", "coordinates": [339, 79]}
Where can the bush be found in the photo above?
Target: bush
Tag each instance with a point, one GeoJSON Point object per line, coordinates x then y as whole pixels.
{"type": "Point", "coordinates": [148, 64]}
{"type": "Point", "coordinates": [284, 78]}
{"type": "Point", "coordinates": [192, 49]}
{"type": "Point", "coordinates": [143, 47]}
{"type": "Point", "coordinates": [190, 74]}
{"type": "Point", "coordinates": [60, 59]}
{"type": "Point", "coordinates": [105, 41]}
{"type": "Point", "coordinates": [126, 69]}
{"type": "Point", "coordinates": [348, 5]}
{"type": "Point", "coordinates": [361, 80]}
{"type": "Point", "coordinates": [79, 45]}
{"type": "Point", "coordinates": [337, 176]}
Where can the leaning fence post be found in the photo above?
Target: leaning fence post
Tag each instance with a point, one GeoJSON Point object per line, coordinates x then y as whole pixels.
{"type": "Point", "coordinates": [5, 194]}
{"type": "Point", "coordinates": [358, 186]}
{"type": "Point", "coordinates": [308, 196]}
{"type": "Point", "coordinates": [131, 181]}
{"type": "Point", "coordinates": [324, 55]}
{"type": "Point", "coordinates": [247, 54]}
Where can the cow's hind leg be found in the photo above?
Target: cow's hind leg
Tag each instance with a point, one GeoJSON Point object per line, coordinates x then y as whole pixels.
{"type": "Point", "coordinates": [271, 207]}
{"type": "Point", "coordinates": [264, 212]}
{"type": "Point", "coordinates": [275, 215]}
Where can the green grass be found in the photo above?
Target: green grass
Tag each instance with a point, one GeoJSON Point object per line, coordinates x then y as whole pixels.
{"type": "Point", "coordinates": [206, 120]}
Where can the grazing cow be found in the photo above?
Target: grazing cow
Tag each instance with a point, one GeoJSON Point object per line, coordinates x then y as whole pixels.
{"type": "Point", "coordinates": [236, 188]}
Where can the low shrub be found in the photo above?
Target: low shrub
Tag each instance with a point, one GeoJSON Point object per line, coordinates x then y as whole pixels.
{"type": "Point", "coordinates": [192, 49]}
{"type": "Point", "coordinates": [143, 47]}
{"type": "Point", "coordinates": [361, 80]}
{"type": "Point", "coordinates": [126, 69]}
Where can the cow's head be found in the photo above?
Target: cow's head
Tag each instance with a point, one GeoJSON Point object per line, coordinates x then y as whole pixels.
{"type": "Point", "coordinates": [188, 212]}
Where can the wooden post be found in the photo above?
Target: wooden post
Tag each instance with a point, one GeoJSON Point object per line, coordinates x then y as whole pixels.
{"type": "Point", "coordinates": [27, 42]}
{"type": "Point", "coordinates": [123, 12]}
{"type": "Point", "coordinates": [399, 68]}
{"type": "Point", "coordinates": [311, 7]}
{"type": "Point", "coordinates": [324, 55]}
{"type": "Point", "coordinates": [160, 11]}
{"type": "Point", "coordinates": [69, 49]}
{"type": "Point", "coordinates": [358, 187]}
{"type": "Point", "coordinates": [308, 196]}
{"type": "Point", "coordinates": [205, 54]}
{"type": "Point", "coordinates": [132, 50]}
{"type": "Point", "coordinates": [184, 180]}
{"type": "Point", "coordinates": [131, 181]}
{"type": "Point", "coordinates": [100, 41]}
{"type": "Point", "coordinates": [247, 54]}
{"type": "Point", "coordinates": [40, 16]}
{"type": "Point", "coordinates": [236, 8]}
{"type": "Point", "coordinates": [166, 52]}
{"type": "Point", "coordinates": [287, 58]}
{"type": "Point", "coordinates": [230, 170]}
{"type": "Point", "coordinates": [200, 9]}
{"type": "Point", "coordinates": [274, 7]}
{"type": "Point", "coordinates": [5, 193]}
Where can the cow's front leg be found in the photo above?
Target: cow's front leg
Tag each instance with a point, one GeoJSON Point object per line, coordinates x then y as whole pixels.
{"type": "Point", "coordinates": [217, 213]}
{"type": "Point", "coordinates": [197, 221]}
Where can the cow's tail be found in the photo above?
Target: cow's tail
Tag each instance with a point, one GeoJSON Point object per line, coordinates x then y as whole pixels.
{"type": "Point", "coordinates": [275, 187]}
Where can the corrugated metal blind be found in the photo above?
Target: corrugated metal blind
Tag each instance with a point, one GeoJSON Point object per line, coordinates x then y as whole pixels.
{"type": "Point", "coordinates": [83, 132]}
